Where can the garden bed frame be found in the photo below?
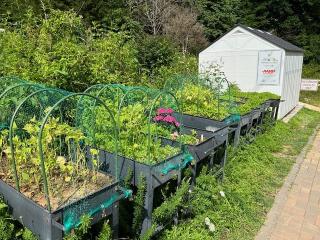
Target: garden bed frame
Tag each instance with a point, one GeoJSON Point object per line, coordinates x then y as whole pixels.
{"type": "Point", "coordinates": [207, 148]}
{"type": "Point", "coordinates": [155, 175]}
{"type": "Point", "coordinates": [47, 225]}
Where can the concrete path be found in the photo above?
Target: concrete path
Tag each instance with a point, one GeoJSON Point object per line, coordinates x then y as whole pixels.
{"type": "Point", "coordinates": [293, 112]}
{"type": "Point", "coordinates": [311, 107]}
{"type": "Point", "coordinates": [299, 106]}
{"type": "Point", "coordinates": [295, 214]}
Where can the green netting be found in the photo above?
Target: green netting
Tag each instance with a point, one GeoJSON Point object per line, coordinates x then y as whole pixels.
{"type": "Point", "coordinates": [44, 150]}
{"type": "Point", "coordinates": [13, 91]}
{"type": "Point", "coordinates": [79, 178]}
{"type": "Point", "coordinates": [206, 95]}
{"type": "Point", "coordinates": [7, 81]}
{"type": "Point", "coordinates": [140, 135]}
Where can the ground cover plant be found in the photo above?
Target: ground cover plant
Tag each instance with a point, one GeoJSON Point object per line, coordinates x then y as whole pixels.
{"type": "Point", "coordinates": [11, 229]}
{"type": "Point", "coordinates": [236, 209]}
{"type": "Point", "coordinates": [247, 101]}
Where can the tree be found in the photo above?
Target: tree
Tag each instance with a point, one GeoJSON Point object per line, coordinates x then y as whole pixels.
{"type": "Point", "coordinates": [218, 17]}
{"type": "Point", "coordinates": [154, 52]}
{"type": "Point", "coordinates": [183, 28]}
{"type": "Point", "coordinates": [152, 13]}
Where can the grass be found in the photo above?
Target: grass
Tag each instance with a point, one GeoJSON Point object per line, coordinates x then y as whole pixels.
{"type": "Point", "coordinates": [311, 71]}
{"type": "Point", "coordinates": [254, 174]}
{"type": "Point", "coordinates": [311, 97]}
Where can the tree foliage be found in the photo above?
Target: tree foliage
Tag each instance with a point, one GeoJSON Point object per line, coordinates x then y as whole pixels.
{"type": "Point", "coordinates": [74, 44]}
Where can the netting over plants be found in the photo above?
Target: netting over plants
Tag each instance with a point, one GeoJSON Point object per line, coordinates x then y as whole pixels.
{"type": "Point", "coordinates": [12, 91]}
{"type": "Point", "coordinates": [145, 120]}
{"type": "Point", "coordinates": [44, 147]}
{"type": "Point", "coordinates": [9, 81]}
{"type": "Point", "coordinates": [207, 95]}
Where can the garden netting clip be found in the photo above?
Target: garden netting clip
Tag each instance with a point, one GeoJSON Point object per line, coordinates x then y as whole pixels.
{"type": "Point", "coordinates": [73, 220]}
{"type": "Point", "coordinates": [187, 159]}
{"type": "Point", "coordinates": [232, 118]}
{"type": "Point", "coordinates": [3, 127]}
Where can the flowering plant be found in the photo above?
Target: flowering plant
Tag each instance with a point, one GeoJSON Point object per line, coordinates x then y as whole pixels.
{"type": "Point", "coordinates": [164, 115]}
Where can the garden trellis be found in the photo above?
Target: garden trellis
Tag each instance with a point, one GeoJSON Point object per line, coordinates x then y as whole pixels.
{"type": "Point", "coordinates": [12, 91]}
{"type": "Point", "coordinates": [146, 126]}
{"type": "Point", "coordinates": [206, 95]}
{"type": "Point", "coordinates": [43, 155]}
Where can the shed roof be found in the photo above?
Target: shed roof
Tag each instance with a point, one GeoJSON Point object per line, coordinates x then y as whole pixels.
{"type": "Point", "coordinates": [272, 39]}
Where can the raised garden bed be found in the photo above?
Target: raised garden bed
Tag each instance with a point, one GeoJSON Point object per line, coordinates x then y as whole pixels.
{"type": "Point", "coordinates": [154, 175]}
{"type": "Point", "coordinates": [52, 224]}
{"type": "Point", "coordinates": [143, 122]}
{"type": "Point", "coordinates": [270, 109]}
{"type": "Point", "coordinates": [216, 134]}
{"type": "Point", "coordinates": [44, 176]}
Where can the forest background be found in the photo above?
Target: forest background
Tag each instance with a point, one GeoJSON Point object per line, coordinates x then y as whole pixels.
{"type": "Point", "coordinates": [75, 44]}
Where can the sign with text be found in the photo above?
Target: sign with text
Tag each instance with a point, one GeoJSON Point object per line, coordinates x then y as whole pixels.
{"type": "Point", "coordinates": [309, 85]}
{"type": "Point", "coordinates": [269, 66]}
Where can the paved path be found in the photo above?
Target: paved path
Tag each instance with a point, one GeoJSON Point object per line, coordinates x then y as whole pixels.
{"type": "Point", "coordinates": [299, 106]}
{"type": "Point", "coordinates": [311, 107]}
{"type": "Point", "coordinates": [295, 214]}
{"type": "Point", "coordinates": [293, 112]}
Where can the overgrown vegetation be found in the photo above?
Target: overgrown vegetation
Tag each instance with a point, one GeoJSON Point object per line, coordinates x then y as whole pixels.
{"type": "Point", "coordinates": [311, 71]}
{"type": "Point", "coordinates": [9, 228]}
{"type": "Point", "coordinates": [62, 51]}
{"type": "Point", "coordinates": [73, 44]}
{"type": "Point", "coordinates": [237, 208]}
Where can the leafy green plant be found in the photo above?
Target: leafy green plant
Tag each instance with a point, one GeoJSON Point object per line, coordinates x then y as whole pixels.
{"type": "Point", "coordinates": [80, 232]}
{"type": "Point", "coordinates": [65, 162]}
{"type": "Point", "coordinates": [106, 233]}
{"type": "Point", "coordinates": [133, 134]}
{"type": "Point", "coordinates": [201, 101]}
{"type": "Point", "coordinates": [250, 100]}
{"type": "Point", "coordinates": [9, 229]}
{"type": "Point", "coordinates": [6, 226]}
{"type": "Point", "coordinates": [172, 205]}
{"type": "Point", "coordinates": [138, 213]}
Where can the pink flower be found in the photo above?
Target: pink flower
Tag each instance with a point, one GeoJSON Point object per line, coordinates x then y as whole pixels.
{"type": "Point", "coordinates": [158, 118]}
{"type": "Point", "coordinates": [164, 115]}
{"type": "Point", "coordinates": [169, 111]}
{"type": "Point", "coordinates": [169, 119]}
{"type": "Point", "coordinates": [161, 111]}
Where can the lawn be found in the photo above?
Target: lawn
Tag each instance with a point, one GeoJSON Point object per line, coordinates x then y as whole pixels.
{"type": "Point", "coordinates": [310, 97]}
{"type": "Point", "coordinates": [237, 208]}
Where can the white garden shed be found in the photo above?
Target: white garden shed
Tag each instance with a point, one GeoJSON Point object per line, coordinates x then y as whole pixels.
{"type": "Point", "coordinates": [258, 61]}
